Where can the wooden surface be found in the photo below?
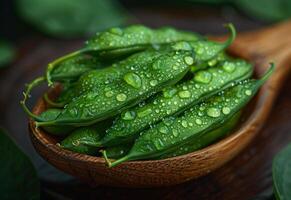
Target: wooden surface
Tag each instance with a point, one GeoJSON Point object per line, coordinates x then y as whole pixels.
{"type": "Point", "coordinates": [245, 177]}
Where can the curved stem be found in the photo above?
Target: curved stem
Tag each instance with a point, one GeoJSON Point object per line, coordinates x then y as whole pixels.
{"type": "Point", "coordinates": [267, 74]}
{"type": "Point", "coordinates": [51, 103]}
{"type": "Point", "coordinates": [108, 162]}
{"type": "Point", "coordinates": [232, 36]}
{"type": "Point", "coordinates": [52, 65]}
{"type": "Point", "coordinates": [116, 162]}
{"type": "Point", "coordinates": [26, 95]}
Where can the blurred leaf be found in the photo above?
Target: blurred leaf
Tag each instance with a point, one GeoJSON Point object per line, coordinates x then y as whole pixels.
{"type": "Point", "coordinates": [71, 18]}
{"type": "Point", "coordinates": [18, 176]}
{"type": "Point", "coordinates": [267, 10]}
{"type": "Point", "coordinates": [282, 174]}
{"type": "Point", "coordinates": [214, 2]}
{"type": "Point", "coordinates": [6, 53]}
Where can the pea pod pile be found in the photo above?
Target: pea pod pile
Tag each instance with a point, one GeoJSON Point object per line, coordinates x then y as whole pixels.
{"type": "Point", "coordinates": [137, 93]}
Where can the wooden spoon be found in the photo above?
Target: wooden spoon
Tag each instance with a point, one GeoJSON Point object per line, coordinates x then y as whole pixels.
{"type": "Point", "coordinates": [259, 47]}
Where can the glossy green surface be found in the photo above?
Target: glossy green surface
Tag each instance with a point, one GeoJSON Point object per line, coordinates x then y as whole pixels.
{"type": "Point", "coordinates": [194, 123]}
{"type": "Point", "coordinates": [176, 99]}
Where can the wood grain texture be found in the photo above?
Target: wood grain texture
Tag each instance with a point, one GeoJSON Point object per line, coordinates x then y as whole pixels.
{"type": "Point", "coordinates": [260, 47]}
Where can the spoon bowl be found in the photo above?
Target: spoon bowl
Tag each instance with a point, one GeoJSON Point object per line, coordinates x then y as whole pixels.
{"type": "Point", "coordinates": [259, 47]}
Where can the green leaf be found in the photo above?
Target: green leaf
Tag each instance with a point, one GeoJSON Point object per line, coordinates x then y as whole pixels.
{"type": "Point", "coordinates": [267, 10]}
{"type": "Point", "coordinates": [71, 18]}
{"type": "Point", "coordinates": [18, 175]}
{"type": "Point", "coordinates": [282, 174]}
{"type": "Point", "coordinates": [6, 53]}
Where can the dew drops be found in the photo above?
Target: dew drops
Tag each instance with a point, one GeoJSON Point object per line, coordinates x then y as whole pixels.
{"type": "Point", "coordinates": [158, 144]}
{"type": "Point", "coordinates": [228, 67]}
{"type": "Point", "coordinates": [144, 112]}
{"type": "Point", "coordinates": [212, 62]}
{"type": "Point", "coordinates": [164, 129]}
{"type": "Point", "coordinates": [175, 133]}
{"type": "Point", "coordinates": [182, 46]}
{"type": "Point", "coordinates": [203, 77]}
{"type": "Point", "coordinates": [121, 97]}
{"type": "Point", "coordinates": [225, 110]}
{"type": "Point", "coordinates": [153, 82]}
{"type": "Point", "coordinates": [248, 92]}
{"type": "Point", "coordinates": [198, 121]}
{"type": "Point", "coordinates": [133, 79]}
{"type": "Point", "coordinates": [116, 31]}
{"type": "Point", "coordinates": [169, 93]}
{"type": "Point", "coordinates": [128, 115]}
{"type": "Point", "coordinates": [184, 94]}
{"type": "Point", "coordinates": [188, 60]}
{"type": "Point", "coordinates": [158, 64]}
{"type": "Point", "coordinates": [109, 94]}
{"type": "Point", "coordinates": [184, 123]}
{"type": "Point", "coordinates": [213, 112]}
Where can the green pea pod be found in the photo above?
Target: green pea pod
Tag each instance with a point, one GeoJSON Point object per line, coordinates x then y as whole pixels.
{"type": "Point", "coordinates": [97, 78]}
{"type": "Point", "coordinates": [94, 79]}
{"type": "Point", "coordinates": [51, 114]}
{"type": "Point", "coordinates": [174, 100]}
{"type": "Point", "coordinates": [205, 140]}
{"type": "Point", "coordinates": [193, 124]}
{"type": "Point", "coordinates": [119, 151]}
{"type": "Point", "coordinates": [116, 41]}
{"type": "Point", "coordinates": [135, 86]}
{"type": "Point", "coordinates": [72, 141]}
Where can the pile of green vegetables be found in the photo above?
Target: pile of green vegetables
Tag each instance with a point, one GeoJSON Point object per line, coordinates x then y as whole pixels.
{"type": "Point", "coordinates": [136, 93]}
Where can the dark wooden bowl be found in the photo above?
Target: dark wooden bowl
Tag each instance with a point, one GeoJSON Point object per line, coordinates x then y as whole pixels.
{"type": "Point", "coordinates": [260, 47]}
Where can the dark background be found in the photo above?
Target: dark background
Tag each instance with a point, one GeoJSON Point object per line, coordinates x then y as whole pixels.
{"type": "Point", "coordinates": [248, 176]}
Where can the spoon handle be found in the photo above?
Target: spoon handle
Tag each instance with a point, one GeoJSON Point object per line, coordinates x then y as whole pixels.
{"type": "Point", "coordinates": [261, 47]}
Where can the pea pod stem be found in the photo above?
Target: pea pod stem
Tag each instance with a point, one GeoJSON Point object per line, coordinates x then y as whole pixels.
{"type": "Point", "coordinates": [26, 95]}
{"type": "Point", "coordinates": [112, 164]}
{"type": "Point", "coordinates": [51, 103]}
{"type": "Point", "coordinates": [232, 37]}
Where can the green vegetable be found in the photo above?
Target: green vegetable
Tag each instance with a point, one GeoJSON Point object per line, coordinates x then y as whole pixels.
{"type": "Point", "coordinates": [117, 41]}
{"type": "Point", "coordinates": [119, 151]}
{"type": "Point", "coordinates": [7, 53]}
{"type": "Point", "coordinates": [205, 140]}
{"type": "Point", "coordinates": [71, 18]}
{"type": "Point", "coordinates": [193, 124]}
{"type": "Point", "coordinates": [282, 174]}
{"type": "Point", "coordinates": [174, 100]}
{"type": "Point", "coordinates": [19, 177]}
{"type": "Point", "coordinates": [138, 82]}
{"type": "Point", "coordinates": [135, 86]}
